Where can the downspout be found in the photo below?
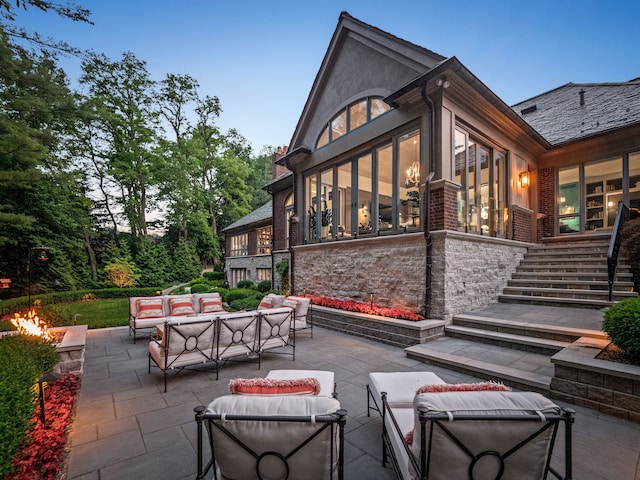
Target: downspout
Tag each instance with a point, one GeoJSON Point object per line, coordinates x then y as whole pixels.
{"type": "Point", "coordinates": [426, 200]}
{"type": "Point", "coordinates": [292, 223]}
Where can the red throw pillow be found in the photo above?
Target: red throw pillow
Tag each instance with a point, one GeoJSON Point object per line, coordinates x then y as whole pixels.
{"type": "Point", "coordinates": [181, 306]}
{"type": "Point", "coordinates": [458, 387]}
{"type": "Point", "coordinates": [149, 308]}
{"type": "Point", "coordinates": [265, 303]}
{"type": "Point", "coordinates": [210, 305]}
{"type": "Point", "coordinates": [268, 386]}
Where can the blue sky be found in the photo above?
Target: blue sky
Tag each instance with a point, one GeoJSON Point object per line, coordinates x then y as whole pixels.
{"type": "Point", "coordinates": [261, 57]}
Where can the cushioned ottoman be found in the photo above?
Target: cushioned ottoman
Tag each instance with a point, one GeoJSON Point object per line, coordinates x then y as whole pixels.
{"type": "Point", "coordinates": [400, 387]}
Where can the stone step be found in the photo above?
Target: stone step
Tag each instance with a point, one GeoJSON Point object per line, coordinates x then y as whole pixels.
{"type": "Point", "coordinates": [567, 293]}
{"type": "Point", "coordinates": [563, 260]}
{"type": "Point", "coordinates": [516, 368]}
{"type": "Point", "coordinates": [554, 267]}
{"type": "Point", "coordinates": [544, 346]}
{"type": "Point", "coordinates": [555, 301]}
{"type": "Point", "coordinates": [554, 254]}
{"type": "Point", "coordinates": [599, 285]}
{"type": "Point", "coordinates": [530, 329]}
{"type": "Point", "coordinates": [624, 277]}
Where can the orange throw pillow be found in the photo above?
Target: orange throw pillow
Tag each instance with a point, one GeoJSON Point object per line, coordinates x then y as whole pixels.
{"type": "Point", "coordinates": [181, 306]}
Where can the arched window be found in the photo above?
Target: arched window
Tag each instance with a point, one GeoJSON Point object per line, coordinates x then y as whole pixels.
{"type": "Point", "coordinates": [350, 118]}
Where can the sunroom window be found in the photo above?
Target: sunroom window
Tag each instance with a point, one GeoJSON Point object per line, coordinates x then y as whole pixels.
{"type": "Point", "coordinates": [350, 118]}
{"type": "Point", "coordinates": [376, 193]}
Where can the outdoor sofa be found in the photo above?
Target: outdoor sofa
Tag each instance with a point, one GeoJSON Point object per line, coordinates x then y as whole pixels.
{"type": "Point", "coordinates": [210, 340]}
{"type": "Point", "coordinates": [467, 431]}
{"type": "Point", "coordinates": [286, 425]}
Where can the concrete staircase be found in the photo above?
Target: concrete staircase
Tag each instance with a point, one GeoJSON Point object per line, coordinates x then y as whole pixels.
{"type": "Point", "coordinates": [565, 273]}
{"type": "Point", "coordinates": [554, 298]}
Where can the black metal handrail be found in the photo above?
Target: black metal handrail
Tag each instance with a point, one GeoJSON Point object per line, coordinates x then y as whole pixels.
{"type": "Point", "coordinates": [624, 214]}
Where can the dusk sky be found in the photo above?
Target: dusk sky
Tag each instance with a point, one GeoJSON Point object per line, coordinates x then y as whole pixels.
{"type": "Point", "coordinates": [261, 57]}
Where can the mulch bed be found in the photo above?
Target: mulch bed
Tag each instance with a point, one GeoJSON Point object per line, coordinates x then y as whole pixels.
{"type": "Point", "coordinates": [612, 353]}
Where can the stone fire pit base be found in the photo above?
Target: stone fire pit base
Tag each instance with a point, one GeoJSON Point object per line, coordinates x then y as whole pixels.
{"type": "Point", "coordinates": [71, 349]}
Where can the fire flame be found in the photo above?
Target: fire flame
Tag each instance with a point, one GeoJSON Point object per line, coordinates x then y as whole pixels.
{"type": "Point", "coordinates": [31, 325]}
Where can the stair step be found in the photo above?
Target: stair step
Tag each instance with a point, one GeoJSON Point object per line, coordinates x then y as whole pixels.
{"type": "Point", "coordinates": [597, 286]}
{"type": "Point", "coordinates": [582, 276]}
{"type": "Point", "coordinates": [531, 329]}
{"type": "Point", "coordinates": [555, 301]}
{"type": "Point", "coordinates": [544, 346]}
{"type": "Point", "coordinates": [566, 293]}
{"type": "Point", "coordinates": [562, 268]}
{"type": "Point", "coordinates": [490, 362]}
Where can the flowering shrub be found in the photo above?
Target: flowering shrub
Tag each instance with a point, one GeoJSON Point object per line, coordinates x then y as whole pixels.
{"type": "Point", "coordinates": [40, 455]}
{"type": "Point", "coordinates": [352, 306]}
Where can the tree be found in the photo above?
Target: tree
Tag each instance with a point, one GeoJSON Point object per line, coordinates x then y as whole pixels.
{"type": "Point", "coordinates": [121, 272]}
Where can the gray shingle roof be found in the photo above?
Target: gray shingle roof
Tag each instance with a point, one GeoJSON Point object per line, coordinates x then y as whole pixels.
{"type": "Point", "coordinates": [258, 215]}
{"type": "Point", "coordinates": [559, 116]}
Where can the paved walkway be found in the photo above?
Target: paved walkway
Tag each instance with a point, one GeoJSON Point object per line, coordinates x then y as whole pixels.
{"type": "Point", "coordinates": [126, 428]}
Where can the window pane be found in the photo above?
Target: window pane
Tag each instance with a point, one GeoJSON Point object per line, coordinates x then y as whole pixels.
{"type": "Point", "coordinates": [485, 182]}
{"type": "Point", "coordinates": [569, 200]}
{"type": "Point", "coordinates": [344, 200]}
{"type": "Point", "coordinates": [239, 245]}
{"type": "Point", "coordinates": [498, 200]}
{"type": "Point", "coordinates": [323, 139]}
{"type": "Point", "coordinates": [378, 107]}
{"type": "Point", "coordinates": [385, 188]}
{"type": "Point", "coordinates": [603, 191]}
{"type": "Point", "coordinates": [288, 213]}
{"type": "Point", "coordinates": [326, 199]}
{"type": "Point", "coordinates": [339, 125]}
{"type": "Point", "coordinates": [264, 240]}
{"type": "Point", "coordinates": [364, 195]}
{"type": "Point", "coordinates": [472, 211]}
{"type": "Point", "coordinates": [311, 201]}
{"type": "Point", "coordinates": [634, 180]}
{"type": "Point", "coordinates": [357, 115]}
{"type": "Point", "coordinates": [409, 180]}
{"type": "Point", "coordinates": [263, 274]}
{"type": "Point", "coordinates": [460, 161]}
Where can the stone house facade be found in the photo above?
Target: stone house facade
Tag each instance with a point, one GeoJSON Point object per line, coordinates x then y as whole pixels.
{"type": "Point", "coordinates": [413, 182]}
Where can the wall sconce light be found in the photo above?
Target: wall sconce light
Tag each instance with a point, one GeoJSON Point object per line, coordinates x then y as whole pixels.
{"type": "Point", "coordinates": [525, 180]}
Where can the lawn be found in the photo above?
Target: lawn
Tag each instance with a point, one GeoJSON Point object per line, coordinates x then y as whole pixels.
{"type": "Point", "coordinates": [99, 313]}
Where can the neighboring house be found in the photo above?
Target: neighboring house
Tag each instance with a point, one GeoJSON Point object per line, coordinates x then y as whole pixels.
{"type": "Point", "coordinates": [415, 183]}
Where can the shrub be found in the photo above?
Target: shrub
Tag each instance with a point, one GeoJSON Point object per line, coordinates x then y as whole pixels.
{"type": "Point", "coordinates": [245, 284]}
{"type": "Point", "coordinates": [249, 303]}
{"type": "Point", "coordinates": [197, 281]}
{"type": "Point", "coordinates": [55, 315]}
{"type": "Point", "coordinates": [200, 288]}
{"type": "Point", "coordinates": [236, 293]}
{"type": "Point", "coordinates": [264, 286]}
{"type": "Point", "coordinates": [622, 324]}
{"type": "Point", "coordinates": [213, 276]}
{"type": "Point", "coordinates": [24, 360]}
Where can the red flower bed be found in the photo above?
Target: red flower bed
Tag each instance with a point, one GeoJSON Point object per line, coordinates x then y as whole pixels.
{"type": "Point", "coordinates": [352, 306]}
{"type": "Point", "coordinates": [41, 454]}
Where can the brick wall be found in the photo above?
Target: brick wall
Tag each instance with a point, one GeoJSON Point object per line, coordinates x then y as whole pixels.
{"type": "Point", "coordinates": [547, 200]}
{"type": "Point", "coordinates": [443, 205]}
{"type": "Point", "coordinates": [279, 231]}
{"type": "Point", "coordinates": [521, 221]}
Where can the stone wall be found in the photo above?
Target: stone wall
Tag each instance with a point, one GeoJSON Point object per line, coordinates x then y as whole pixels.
{"type": "Point", "coordinates": [392, 268]}
{"type": "Point", "coordinates": [470, 271]}
{"type": "Point", "coordinates": [250, 263]}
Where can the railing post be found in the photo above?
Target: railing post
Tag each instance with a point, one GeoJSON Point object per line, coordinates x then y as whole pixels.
{"type": "Point", "coordinates": [199, 417]}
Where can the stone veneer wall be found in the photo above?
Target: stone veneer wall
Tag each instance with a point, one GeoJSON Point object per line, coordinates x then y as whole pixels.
{"type": "Point", "coordinates": [470, 271]}
{"type": "Point", "coordinates": [390, 267]}
{"type": "Point", "coordinates": [251, 263]}
{"type": "Point", "coordinates": [277, 258]}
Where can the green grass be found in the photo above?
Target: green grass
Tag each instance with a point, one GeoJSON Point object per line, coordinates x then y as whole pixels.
{"type": "Point", "coordinates": [101, 313]}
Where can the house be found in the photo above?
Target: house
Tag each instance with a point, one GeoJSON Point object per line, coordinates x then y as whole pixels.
{"type": "Point", "coordinates": [415, 183]}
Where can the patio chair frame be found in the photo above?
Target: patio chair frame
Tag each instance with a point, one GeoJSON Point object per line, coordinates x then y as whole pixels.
{"type": "Point", "coordinates": [323, 422]}
{"type": "Point", "coordinates": [429, 421]}
{"type": "Point", "coordinates": [278, 333]}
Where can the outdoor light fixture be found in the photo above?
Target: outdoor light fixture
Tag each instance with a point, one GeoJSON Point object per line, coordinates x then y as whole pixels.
{"type": "Point", "coordinates": [49, 377]}
{"type": "Point", "coordinates": [42, 257]}
{"type": "Point", "coordinates": [443, 82]}
{"type": "Point", "coordinates": [524, 179]}
{"type": "Point", "coordinates": [371, 300]}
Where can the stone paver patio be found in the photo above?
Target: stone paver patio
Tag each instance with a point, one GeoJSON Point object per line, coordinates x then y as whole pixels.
{"type": "Point", "coordinates": [126, 428]}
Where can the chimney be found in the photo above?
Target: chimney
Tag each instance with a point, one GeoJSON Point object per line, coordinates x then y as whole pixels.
{"type": "Point", "coordinates": [278, 170]}
{"type": "Point", "coordinates": [581, 92]}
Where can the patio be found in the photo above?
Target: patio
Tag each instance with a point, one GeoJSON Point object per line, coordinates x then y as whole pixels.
{"type": "Point", "coordinates": [125, 427]}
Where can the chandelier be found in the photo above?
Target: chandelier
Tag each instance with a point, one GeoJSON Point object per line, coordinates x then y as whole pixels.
{"type": "Point", "coordinates": [413, 175]}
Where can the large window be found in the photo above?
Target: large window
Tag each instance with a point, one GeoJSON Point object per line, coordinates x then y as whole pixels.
{"type": "Point", "coordinates": [263, 274]}
{"type": "Point", "coordinates": [239, 245]}
{"type": "Point", "coordinates": [238, 275]}
{"type": "Point", "coordinates": [350, 118]}
{"type": "Point", "coordinates": [264, 240]}
{"type": "Point", "coordinates": [375, 193]}
{"type": "Point", "coordinates": [480, 169]}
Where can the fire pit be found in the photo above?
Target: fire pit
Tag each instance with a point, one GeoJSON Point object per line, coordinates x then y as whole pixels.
{"type": "Point", "coordinates": [69, 341]}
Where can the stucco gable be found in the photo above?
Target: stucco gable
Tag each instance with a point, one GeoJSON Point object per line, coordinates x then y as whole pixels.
{"type": "Point", "coordinates": [361, 61]}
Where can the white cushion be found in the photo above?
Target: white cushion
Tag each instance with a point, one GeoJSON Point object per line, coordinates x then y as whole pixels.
{"type": "Point", "coordinates": [312, 461]}
{"type": "Point", "coordinates": [401, 387]}
{"type": "Point", "coordinates": [449, 461]}
{"type": "Point", "coordinates": [276, 300]}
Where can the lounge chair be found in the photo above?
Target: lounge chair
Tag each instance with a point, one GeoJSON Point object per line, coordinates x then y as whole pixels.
{"type": "Point", "coordinates": [273, 436]}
